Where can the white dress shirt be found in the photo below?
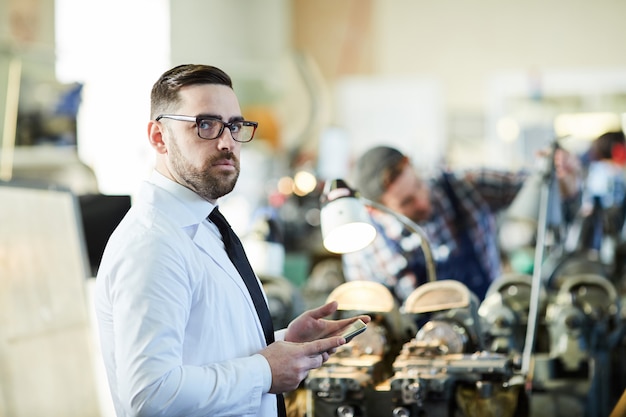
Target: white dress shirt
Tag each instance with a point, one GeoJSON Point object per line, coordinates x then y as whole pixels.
{"type": "Point", "coordinates": [178, 329]}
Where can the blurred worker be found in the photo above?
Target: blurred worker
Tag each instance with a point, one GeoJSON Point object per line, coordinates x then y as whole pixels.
{"type": "Point", "coordinates": [604, 195]}
{"type": "Point", "coordinates": [456, 210]}
{"type": "Point", "coordinates": [605, 161]}
{"type": "Point", "coordinates": [184, 324]}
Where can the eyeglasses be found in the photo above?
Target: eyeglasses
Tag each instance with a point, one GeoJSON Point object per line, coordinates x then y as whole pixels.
{"type": "Point", "coordinates": [212, 128]}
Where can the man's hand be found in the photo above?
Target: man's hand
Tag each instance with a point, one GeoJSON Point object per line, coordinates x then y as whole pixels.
{"type": "Point", "coordinates": [291, 362]}
{"type": "Point", "coordinates": [568, 172]}
{"type": "Point", "coordinates": [311, 324]}
{"type": "Point", "coordinates": [567, 169]}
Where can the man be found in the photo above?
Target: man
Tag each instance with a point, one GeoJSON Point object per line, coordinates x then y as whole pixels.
{"type": "Point", "coordinates": [457, 212]}
{"type": "Point", "coordinates": [181, 333]}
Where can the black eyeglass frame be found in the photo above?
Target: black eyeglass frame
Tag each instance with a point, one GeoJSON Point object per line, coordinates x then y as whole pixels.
{"type": "Point", "coordinates": [198, 119]}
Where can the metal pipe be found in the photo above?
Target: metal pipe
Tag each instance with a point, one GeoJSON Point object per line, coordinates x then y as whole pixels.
{"type": "Point", "coordinates": [533, 309]}
{"type": "Point", "coordinates": [536, 284]}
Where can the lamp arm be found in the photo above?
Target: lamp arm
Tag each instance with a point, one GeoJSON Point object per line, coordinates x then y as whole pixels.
{"type": "Point", "coordinates": [535, 288]}
{"type": "Point", "coordinates": [413, 227]}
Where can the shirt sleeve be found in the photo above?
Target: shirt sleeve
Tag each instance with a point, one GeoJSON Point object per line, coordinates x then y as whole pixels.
{"type": "Point", "coordinates": [279, 335]}
{"type": "Point", "coordinates": [497, 188]}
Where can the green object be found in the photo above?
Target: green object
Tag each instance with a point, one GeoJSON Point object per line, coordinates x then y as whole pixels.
{"type": "Point", "coordinates": [297, 268]}
{"type": "Point", "coordinates": [522, 261]}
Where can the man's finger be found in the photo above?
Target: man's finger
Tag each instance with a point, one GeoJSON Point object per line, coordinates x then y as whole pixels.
{"type": "Point", "coordinates": [325, 310]}
{"type": "Point", "coordinates": [319, 346]}
{"type": "Point", "coordinates": [350, 320]}
{"type": "Point", "coordinates": [339, 325]}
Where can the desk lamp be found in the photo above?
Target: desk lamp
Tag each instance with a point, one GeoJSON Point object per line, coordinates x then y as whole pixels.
{"type": "Point", "coordinates": [346, 225]}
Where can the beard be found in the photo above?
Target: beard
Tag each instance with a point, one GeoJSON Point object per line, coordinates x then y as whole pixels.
{"type": "Point", "coordinates": [208, 182]}
{"type": "Point", "coordinates": [420, 216]}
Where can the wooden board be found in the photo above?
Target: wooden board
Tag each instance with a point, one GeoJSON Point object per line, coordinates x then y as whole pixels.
{"type": "Point", "coordinates": [46, 346]}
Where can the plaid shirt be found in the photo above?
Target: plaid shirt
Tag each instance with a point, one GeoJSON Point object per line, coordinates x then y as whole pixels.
{"type": "Point", "coordinates": [392, 257]}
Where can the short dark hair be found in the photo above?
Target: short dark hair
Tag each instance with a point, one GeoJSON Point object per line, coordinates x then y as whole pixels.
{"type": "Point", "coordinates": [165, 90]}
{"type": "Point", "coordinates": [604, 146]}
{"type": "Point", "coordinates": [377, 169]}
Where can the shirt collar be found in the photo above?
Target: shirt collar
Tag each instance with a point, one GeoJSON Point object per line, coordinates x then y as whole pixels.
{"type": "Point", "coordinates": [198, 206]}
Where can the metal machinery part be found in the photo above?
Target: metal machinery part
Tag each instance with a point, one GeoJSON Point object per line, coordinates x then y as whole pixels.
{"type": "Point", "coordinates": [445, 370]}
{"type": "Point", "coordinates": [344, 385]}
{"type": "Point", "coordinates": [463, 360]}
{"type": "Point", "coordinates": [585, 329]}
{"type": "Point", "coordinates": [438, 370]}
{"type": "Point", "coordinates": [352, 382]}
{"type": "Point", "coordinates": [480, 384]}
{"type": "Point", "coordinates": [577, 360]}
{"type": "Point", "coordinates": [580, 322]}
{"type": "Point", "coordinates": [504, 314]}
{"type": "Point", "coordinates": [584, 309]}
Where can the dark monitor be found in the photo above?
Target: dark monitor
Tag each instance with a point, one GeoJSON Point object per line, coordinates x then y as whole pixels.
{"type": "Point", "coordinates": [100, 216]}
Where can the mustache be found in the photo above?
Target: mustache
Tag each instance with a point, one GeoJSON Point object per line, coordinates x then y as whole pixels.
{"type": "Point", "coordinates": [228, 155]}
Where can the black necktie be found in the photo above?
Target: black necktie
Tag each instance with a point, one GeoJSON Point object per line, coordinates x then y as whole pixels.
{"type": "Point", "coordinates": [237, 255]}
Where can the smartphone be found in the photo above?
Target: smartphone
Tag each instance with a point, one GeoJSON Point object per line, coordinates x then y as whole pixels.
{"type": "Point", "coordinates": [353, 329]}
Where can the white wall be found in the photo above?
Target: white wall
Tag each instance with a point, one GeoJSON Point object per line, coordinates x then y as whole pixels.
{"type": "Point", "coordinates": [477, 49]}
{"type": "Point", "coordinates": [247, 38]}
{"type": "Point", "coordinates": [466, 42]}
{"type": "Point", "coordinates": [117, 48]}
{"type": "Point", "coordinates": [462, 46]}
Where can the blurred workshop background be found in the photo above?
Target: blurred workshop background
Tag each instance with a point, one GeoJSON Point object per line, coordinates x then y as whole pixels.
{"type": "Point", "coordinates": [451, 83]}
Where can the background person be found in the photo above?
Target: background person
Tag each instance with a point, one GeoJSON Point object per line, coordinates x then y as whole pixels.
{"type": "Point", "coordinates": [179, 330]}
{"type": "Point", "coordinates": [604, 162]}
{"type": "Point", "coordinates": [457, 210]}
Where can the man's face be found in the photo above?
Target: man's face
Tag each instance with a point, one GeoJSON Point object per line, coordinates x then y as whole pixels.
{"type": "Point", "coordinates": [409, 195]}
{"type": "Point", "coordinates": [208, 167]}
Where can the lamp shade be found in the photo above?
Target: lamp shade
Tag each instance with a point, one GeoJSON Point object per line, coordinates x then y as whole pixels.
{"type": "Point", "coordinates": [367, 296]}
{"type": "Point", "coordinates": [345, 223]}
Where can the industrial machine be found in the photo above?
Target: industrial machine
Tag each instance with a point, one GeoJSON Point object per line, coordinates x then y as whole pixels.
{"type": "Point", "coordinates": [504, 315]}
{"type": "Point", "coordinates": [440, 369]}
{"type": "Point", "coordinates": [445, 370]}
{"type": "Point", "coordinates": [354, 381]}
{"type": "Point", "coordinates": [576, 365]}
{"type": "Point", "coordinates": [585, 328]}
{"type": "Point", "coordinates": [550, 344]}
